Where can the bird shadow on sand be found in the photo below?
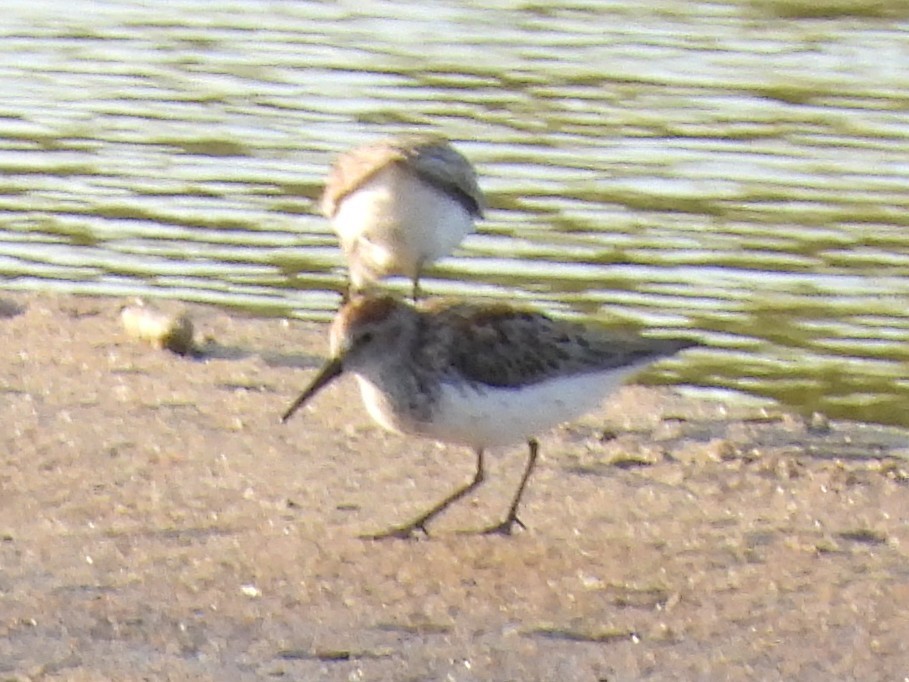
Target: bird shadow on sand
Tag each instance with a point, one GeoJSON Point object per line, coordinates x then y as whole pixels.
{"type": "Point", "coordinates": [217, 351]}
{"type": "Point", "coordinates": [10, 309]}
{"type": "Point", "coordinates": [292, 360]}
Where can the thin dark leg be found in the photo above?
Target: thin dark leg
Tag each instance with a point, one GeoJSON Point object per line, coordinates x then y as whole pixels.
{"type": "Point", "coordinates": [507, 525]}
{"type": "Point", "coordinates": [415, 292]}
{"type": "Point", "coordinates": [419, 523]}
{"type": "Point", "coordinates": [348, 292]}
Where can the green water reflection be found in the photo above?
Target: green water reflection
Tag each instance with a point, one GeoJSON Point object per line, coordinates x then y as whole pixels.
{"type": "Point", "coordinates": [737, 170]}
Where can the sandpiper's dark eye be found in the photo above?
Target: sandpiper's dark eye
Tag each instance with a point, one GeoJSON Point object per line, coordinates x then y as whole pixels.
{"type": "Point", "coordinates": [367, 337]}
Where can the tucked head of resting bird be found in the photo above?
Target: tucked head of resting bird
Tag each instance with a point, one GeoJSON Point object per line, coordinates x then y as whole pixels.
{"type": "Point", "coordinates": [399, 204]}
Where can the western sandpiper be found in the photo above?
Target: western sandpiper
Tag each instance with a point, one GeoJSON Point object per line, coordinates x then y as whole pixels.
{"type": "Point", "coordinates": [398, 204]}
{"type": "Point", "coordinates": [476, 375]}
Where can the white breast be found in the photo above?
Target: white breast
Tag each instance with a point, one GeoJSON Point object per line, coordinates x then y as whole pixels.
{"type": "Point", "coordinates": [396, 222]}
{"type": "Point", "coordinates": [493, 416]}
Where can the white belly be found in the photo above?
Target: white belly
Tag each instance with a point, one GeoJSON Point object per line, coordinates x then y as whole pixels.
{"type": "Point", "coordinates": [497, 416]}
{"type": "Point", "coordinates": [395, 222]}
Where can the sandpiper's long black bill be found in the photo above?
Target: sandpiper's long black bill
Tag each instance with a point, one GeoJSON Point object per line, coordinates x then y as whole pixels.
{"type": "Point", "coordinates": [329, 372]}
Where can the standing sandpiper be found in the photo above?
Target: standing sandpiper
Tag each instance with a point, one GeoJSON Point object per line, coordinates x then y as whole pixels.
{"type": "Point", "coordinates": [476, 375]}
{"type": "Point", "coordinates": [398, 204]}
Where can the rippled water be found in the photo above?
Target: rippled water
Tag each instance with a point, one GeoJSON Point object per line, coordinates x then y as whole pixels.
{"type": "Point", "coordinates": [736, 168]}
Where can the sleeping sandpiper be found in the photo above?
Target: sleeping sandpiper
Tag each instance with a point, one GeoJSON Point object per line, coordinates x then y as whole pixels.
{"type": "Point", "coordinates": [398, 204]}
{"type": "Point", "coordinates": [476, 375]}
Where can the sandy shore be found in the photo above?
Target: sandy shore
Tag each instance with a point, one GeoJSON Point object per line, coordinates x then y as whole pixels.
{"type": "Point", "coordinates": [157, 523]}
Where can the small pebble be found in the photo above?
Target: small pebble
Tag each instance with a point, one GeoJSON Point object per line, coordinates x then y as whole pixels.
{"type": "Point", "coordinates": [250, 591]}
{"type": "Point", "coordinates": [160, 330]}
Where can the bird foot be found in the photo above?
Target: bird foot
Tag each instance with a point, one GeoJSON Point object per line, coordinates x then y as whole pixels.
{"type": "Point", "coordinates": [406, 532]}
{"type": "Point", "coordinates": [504, 528]}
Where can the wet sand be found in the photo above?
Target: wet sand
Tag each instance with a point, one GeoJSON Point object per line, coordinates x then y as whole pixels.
{"type": "Point", "coordinates": [158, 523]}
